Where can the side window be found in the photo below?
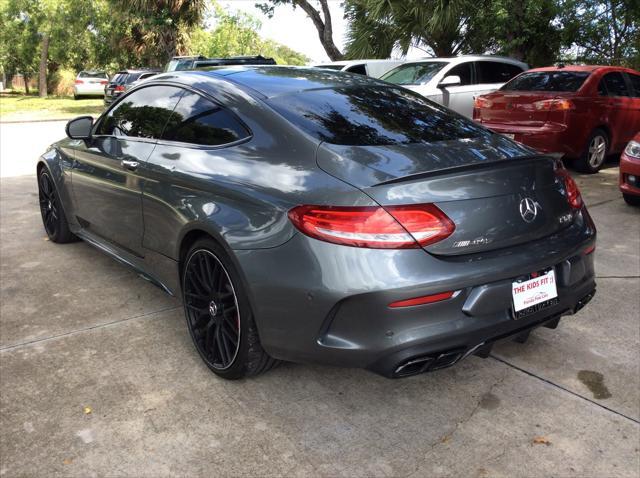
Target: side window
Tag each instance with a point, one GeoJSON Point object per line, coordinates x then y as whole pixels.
{"type": "Point", "coordinates": [495, 72]}
{"type": "Point", "coordinates": [463, 70]}
{"type": "Point", "coordinates": [358, 69]}
{"type": "Point", "coordinates": [142, 114]}
{"type": "Point", "coordinates": [635, 84]}
{"type": "Point", "coordinates": [197, 120]}
{"type": "Point", "coordinates": [615, 84]}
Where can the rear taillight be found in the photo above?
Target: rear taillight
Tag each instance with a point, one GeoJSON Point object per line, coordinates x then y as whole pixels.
{"type": "Point", "coordinates": [393, 227]}
{"type": "Point", "coordinates": [104, 82]}
{"type": "Point", "coordinates": [481, 102]}
{"type": "Point", "coordinates": [119, 88]}
{"type": "Point", "coordinates": [79, 82]}
{"type": "Point", "coordinates": [553, 105]}
{"type": "Point", "coordinates": [573, 193]}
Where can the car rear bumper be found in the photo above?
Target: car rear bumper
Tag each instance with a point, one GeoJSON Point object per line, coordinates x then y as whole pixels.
{"type": "Point", "coordinates": [629, 175]}
{"type": "Point", "coordinates": [322, 303]}
{"type": "Point", "coordinates": [549, 138]}
{"type": "Point", "coordinates": [88, 90]}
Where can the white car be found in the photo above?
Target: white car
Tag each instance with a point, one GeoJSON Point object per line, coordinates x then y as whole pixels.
{"type": "Point", "coordinates": [373, 68]}
{"type": "Point", "coordinates": [455, 82]}
{"type": "Point", "coordinates": [90, 83]}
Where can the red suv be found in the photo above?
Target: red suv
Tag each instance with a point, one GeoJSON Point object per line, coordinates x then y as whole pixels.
{"type": "Point", "coordinates": [581, 112]}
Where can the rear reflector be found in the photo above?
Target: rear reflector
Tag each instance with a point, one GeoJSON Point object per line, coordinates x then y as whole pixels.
{"type": "Point", "coordinates": [573, 193]}
{"type": "Point", "coordinates": [375, 227]}
{"type": "Point", "coordinates": [589, 250]}
{"type": "Point", "coordinates": [426, 299]}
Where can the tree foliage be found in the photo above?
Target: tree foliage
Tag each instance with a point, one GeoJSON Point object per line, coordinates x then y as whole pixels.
{"type": "Point", "coordinates": [538, 32]}
{"type": "Point", "coordinates": [237, 34]}
{"type": "Point", "coordinates": [606, 32]}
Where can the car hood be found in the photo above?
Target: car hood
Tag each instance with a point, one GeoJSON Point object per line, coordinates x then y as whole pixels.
{"type": "Point", "coordinates": [365, 166]}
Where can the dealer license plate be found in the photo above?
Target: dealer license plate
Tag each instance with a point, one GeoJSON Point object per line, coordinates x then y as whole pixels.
{"type": "Point", "coordinates": [532, 295]}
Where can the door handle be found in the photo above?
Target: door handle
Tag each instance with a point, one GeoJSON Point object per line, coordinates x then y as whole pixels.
{"type": "Point", "coordinates": [130, 164]}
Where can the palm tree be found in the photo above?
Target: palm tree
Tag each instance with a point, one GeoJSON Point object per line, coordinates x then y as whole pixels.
{"type": "Point", "coordinates": [376, 27]}
{"type": "Point", "coordinates": [162, 25]}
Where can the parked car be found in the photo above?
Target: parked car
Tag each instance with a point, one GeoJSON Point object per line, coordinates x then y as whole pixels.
{"type": "Point", "coordinates": [583, 113]}
{"type": "Point", "coordinates": [183, 63]}
{"type": "Point", "coordinates": [373, 68]}
{"type": "Point", "coordinates": [630, 171]}
{"type": "Point", "coordinates": [118, 84]}
{"type": "Point", "coordinates": [307, 219]}
{"type": "Point", "coordinates": [140, 79]}
{"type": "Point", "coordinates": [455, 82]}
{"type": "Point", "coordinates": [90, 83]}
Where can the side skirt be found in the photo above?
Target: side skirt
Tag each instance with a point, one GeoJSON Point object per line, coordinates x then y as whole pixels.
{"type": "Point", "coordinates": [138, 264]}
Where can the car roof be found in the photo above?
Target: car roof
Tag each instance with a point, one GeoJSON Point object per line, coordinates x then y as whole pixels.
{"type": "Point", "coordinates": [355, 62]}
{"type": "Point", "coordinates": [462, 58]}
{"type": "Point", "coordinates": [587, 68]}
{"type": "Point", "coordinates": [272, 81]}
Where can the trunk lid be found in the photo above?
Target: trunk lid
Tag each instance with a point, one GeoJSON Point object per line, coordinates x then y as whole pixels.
{"type": "Point", "coordinates": [517, 108]}
{"type": "Point", "coordinates": [496, 197]}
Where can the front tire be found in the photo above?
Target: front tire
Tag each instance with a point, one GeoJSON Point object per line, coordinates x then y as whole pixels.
{"type": "Point", "coordinates": [631, 200]}
{"type": "Point", "coordinates": [219, 315]}
{"type": "Point", "coordinates": [595, 153]}
{"type": "Point", "coordinates": [53, 218]}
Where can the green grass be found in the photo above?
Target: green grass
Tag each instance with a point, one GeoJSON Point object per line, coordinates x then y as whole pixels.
{"type": "Point", "coordinates": [15, 107]}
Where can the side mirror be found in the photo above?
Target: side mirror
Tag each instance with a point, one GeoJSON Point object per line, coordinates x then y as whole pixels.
{"type": "Point", "coordinates": [451, 80]}
{"type": "Point", "coordinates": [80, 127]}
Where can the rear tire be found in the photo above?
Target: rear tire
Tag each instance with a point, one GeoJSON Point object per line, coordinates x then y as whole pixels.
{"type": "Point", "coordinates": [631, 199]}
{"type": "Point", "coordinates": [53, 217]}
{"type": "Point", "coordinates": [595, 153]}
{"type": "Point", "coordinates": [219, 316]}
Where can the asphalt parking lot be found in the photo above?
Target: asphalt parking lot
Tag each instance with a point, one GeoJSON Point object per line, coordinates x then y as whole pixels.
{"type": "Point", "coordinates": [98, 376]}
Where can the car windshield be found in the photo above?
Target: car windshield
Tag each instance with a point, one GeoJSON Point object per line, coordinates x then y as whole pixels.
{"type": "Point", "coordinates": [92, 74]}
{"type": "Point", "coordinates": [372, 115]}
{"type": "Point", "coordinates": [547, 81]}
{"type": "Point", "coordinates": [179, 65]}
{"type": "Point", "coordinates": [414, 73]}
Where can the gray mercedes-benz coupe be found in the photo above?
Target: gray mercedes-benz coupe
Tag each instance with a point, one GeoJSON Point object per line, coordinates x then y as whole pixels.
{"type": "Point", "coordinates": [317, 216]}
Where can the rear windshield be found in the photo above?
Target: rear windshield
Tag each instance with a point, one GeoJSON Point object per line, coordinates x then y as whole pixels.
{"type": "Point", "coordinates": [93, 74]}
{"type": "Point", "coordinates": [372, 115]}
{"type": "Point", "coordinates": [125, 78]}
{"type": "Point", "coordinates": [413, 73]}
{"type": "Point", "coordinates": [547, 81]}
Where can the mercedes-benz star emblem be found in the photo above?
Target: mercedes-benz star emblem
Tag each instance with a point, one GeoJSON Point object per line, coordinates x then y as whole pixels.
{"type": "Point", "coordinates": [528, 209]}
{"type": "Point", "coordinates": [213, 309]}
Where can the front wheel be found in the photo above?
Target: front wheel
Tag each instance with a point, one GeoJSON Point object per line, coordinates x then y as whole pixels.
{"type": "Point", "coordinates": [218, 314]}
{"type": "Point", "coordinates": [631, 199]}
{"type": "Point", "coordinates": [53, 218]}
{"type": "Point", "coordinates": [595, 153]}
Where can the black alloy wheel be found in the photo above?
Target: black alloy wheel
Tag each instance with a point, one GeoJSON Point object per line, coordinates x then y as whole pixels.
{"type": "Point", "coordinates": [212, 309]}
{"type": "Point", "coordinates": [53, 218]}
{"type": "Point", "coordinates": [218, 314]}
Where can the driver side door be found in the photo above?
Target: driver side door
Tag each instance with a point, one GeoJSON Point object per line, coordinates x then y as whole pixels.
{"type": "Point", "coordinates": [107, 176]}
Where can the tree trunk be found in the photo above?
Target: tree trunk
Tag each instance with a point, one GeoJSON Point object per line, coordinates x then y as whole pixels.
{"type": "Point", "coordinates": [42, 77]}
{"type": "Point", "coordinates": [26, 83]}
{"type": "Point", "coordinates": [324, 28]}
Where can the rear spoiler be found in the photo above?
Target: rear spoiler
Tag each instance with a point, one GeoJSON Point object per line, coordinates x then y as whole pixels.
{"type": "Point", "coordinates": [464, 167]}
